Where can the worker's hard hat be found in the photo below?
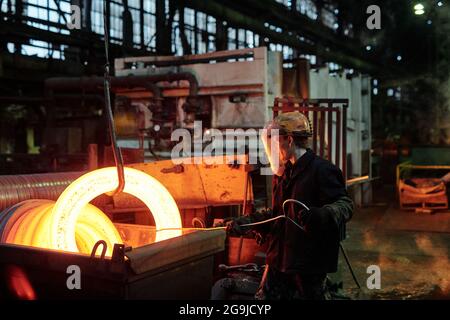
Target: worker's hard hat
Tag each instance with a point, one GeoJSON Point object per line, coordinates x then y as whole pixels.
{"type": "Point", "coordinates": [291, 123]}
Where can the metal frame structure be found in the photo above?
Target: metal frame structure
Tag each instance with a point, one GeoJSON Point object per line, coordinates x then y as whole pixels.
{"type": "Point", "coordinates": [321, 111]}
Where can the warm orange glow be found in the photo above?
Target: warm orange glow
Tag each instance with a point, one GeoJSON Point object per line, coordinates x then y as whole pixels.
{"type": "Point", "coordinates": [72, 224]}
{"type": "Point", "coordinates": [19, 284]}
{"type": "Point", "coordinates": [29, 224]}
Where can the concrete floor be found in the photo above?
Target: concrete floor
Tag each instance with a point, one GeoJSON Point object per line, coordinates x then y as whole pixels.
{"type": "Point", "coordinates": [412, 251]}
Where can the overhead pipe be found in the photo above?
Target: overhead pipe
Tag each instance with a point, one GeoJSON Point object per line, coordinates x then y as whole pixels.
{"type": "Point", "coordinates": [86, 84]}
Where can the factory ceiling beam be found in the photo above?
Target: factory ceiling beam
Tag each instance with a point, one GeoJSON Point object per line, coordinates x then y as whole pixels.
{"type": "Point", "coordinates": [291, 20]}
{"type": "Point", "coordinates": [241, 20]}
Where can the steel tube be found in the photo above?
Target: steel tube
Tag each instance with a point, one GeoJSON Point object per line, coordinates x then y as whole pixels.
{"type": "Point", "coordinates": [17, 188]}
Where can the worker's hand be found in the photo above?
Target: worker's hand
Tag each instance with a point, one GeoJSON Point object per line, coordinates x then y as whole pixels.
{"type": "Point", "coordinates": [234, 227]}
{"type": "Point", "coordinates": [318, 218]}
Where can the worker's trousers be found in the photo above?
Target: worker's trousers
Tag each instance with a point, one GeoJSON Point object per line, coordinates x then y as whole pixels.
{"type": "Point", "coordinates": [276, 285]}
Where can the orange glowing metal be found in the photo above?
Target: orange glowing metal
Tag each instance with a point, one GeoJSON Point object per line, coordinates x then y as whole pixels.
{"type": "Point", "coordinates": [72, 224]}
{"type": "Point", "coordinates": [29, 224]}
{"type": "Point", "coordinates": [78, 194]}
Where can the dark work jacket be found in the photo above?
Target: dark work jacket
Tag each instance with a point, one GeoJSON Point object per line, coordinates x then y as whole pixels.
{"type": "Point", "coordinates": [317, 183]}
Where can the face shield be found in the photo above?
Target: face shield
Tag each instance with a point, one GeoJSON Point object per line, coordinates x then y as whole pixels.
{"type": "Point", "coordinates": [270, 138]}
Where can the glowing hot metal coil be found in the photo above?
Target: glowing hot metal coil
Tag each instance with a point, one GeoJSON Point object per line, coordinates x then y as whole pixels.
{"type": "Point", "coordinates": [28, 223]}
{"type": "Point", "coordinates": [72, 224]}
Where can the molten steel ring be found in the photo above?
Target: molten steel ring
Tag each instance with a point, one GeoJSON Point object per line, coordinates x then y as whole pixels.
{"type": "Point", "coordinates": [72, 224]}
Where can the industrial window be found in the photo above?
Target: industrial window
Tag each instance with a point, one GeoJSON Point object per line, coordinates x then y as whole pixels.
{"type": "Point", "coordinates": [189, 29]}
{"type": "Point", "coordinates": [251, 39]}
{"type": "Point", "coordinates": [308, 8]}
{"type": "Point", "coordinates": [211, 31]}
{"type": "Point", "coordinates": [147, 37]}
{"type": "Point", "coordinates": [329, 16]}
{"type": "Point", "coordinates": [287, 3]}
{"type": "Point", "coordinates": [334, 67]}
{"type": "Point", "coordinates": [288, 53]}
{"type": "Point", "coordinates": [149, 11]}
{"type": "Point", "coordinates": [199, 29]}
{"type": "Point", "coordinates": [310, 57]}
{"type": "Point", "coordinates": [202, 37]}
{"type": "Point", "coordinates": [206, 33]}
{"type": "Point", "coordinates": [115, 19]}
{"type": "Point", "coordinates": [177, 48]}
{"type": "Point", "coordinates": [8, 6]}
{"type": "Point", "coordinates": [97, 16]}
{"type": "Point", "coordinates": [53, 15]}
{"type": "Point", "coordinates": [232, 42]}
{"type": "Point", "coordinates": [135, 10]}
{"type": "Point", "coordinates": [47, 15]}
{"type": "Point", "coordinates": [241, 38]}
{"type": "Point", "coordinates": [115, 22]}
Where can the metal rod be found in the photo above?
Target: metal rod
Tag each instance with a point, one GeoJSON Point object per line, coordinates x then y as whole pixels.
{"type": "Point", "coordinates": [322, 133]}
{"type": "Point", "coordinates": [338, 139]}
{"type": "Point", "coordinates": [95, 248]}
{"type": "Point", "coordinates": [344, 142]}
{"type": "Point", "coordinates": [244, 205]}
{"type": "Point", "coordinates": [329, 134]}
{"type": "Point", "coordinates": [347, 260]}
{"type": "Point", "coordinates": [118, 159]}
{"type": "Point", "coordinates": [315, 132]}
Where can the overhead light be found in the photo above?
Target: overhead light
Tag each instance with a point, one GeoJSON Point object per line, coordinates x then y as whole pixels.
{"type": "Point", "coordinates": [419, 9]}
{"type": "Point", "coordinates": [390, 92]}
{"type": "Point", "coordinates": [368, 48]}
{"type": "Point", "coordinates": [399, 58]}
{"type": "Point", "coordinates": [440, 4]}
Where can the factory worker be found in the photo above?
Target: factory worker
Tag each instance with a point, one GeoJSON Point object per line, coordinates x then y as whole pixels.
{"type": "Point", "coordinates": [299, 254]}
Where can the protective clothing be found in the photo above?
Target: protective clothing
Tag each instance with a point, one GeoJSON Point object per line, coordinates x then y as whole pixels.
{"type": "Point", "coordinates": [277, 285]}
{"type": "Point", "coordinates": [270, 140]}
{"type": "Point", "coordinates": [293, 123]}
{"type": "Point", "coordinates": [289, 123]}
{"type": "Point", "coordinates": [320, 185]}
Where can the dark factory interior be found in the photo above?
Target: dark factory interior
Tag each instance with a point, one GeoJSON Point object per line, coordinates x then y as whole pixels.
{"type": "Point", "coordinates": [224, 150]}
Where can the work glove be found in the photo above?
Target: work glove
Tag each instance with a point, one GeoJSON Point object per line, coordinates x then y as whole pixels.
{"type": "Point", "coordinates": [318, 219]}
{"type": "Point", "coordinates": [234, 226]}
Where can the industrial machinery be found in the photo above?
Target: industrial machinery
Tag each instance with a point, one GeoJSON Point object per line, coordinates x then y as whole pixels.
{"type": "Point", "coordinates": [204, 95]}
{"type": "Point", "coordinates": [40, 239]}
{"type": "Point", "coordinates": [236, 89]}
